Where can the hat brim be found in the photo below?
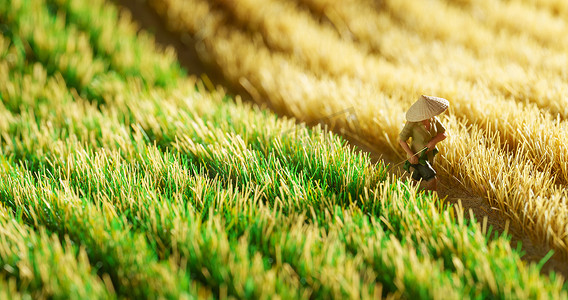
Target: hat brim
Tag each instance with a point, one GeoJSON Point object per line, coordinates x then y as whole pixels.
{"type": "Point", "coordinates": [426, 107]}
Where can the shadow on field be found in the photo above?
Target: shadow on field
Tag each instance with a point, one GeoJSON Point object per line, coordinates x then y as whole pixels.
{"type": "Point", "coordinates": [450, 188]}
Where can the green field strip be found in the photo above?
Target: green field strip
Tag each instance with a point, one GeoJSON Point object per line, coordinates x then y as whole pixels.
{"type": "Point", "coordinates": [324, 170]}
{"type": "Point", "coordinates": [295, 239]}
{"type": "Point", "coordinates": [49, 41]}
{"type": "Point", "coordinates": [291, 245]}
{"type": "Point", "coordinates": [297, 153]}
{"type": "Point", "coordinates": [9, 289]}
{"type": "Point", "coordinates": [145, 209]}
{"type": "Point", "coordinates": [480, 282]}
{"type": "Point", "coordinates": [210, 204]}
{"type": "Point", "coordinates": [207, 254]}
{"type": "Point", "coordinates": [140, 209]}
{"type": "Point", "coordinates": [24, 85]}
{"type": "Point", "coordinates": [69, 55]}
{"type": "Point", "coordinates": [31, 148]}
{"type": "Point", "coordinates": [30, 156]}
{"type": "Point", "coordinates": [44, 266]}
{"type": "Point", "coordinates": [110, 245]}
{"type": "Point", "coordinates": [282, 172]}
{"type": "Point", "coordinates": [30, 93]}
{"type": "Point", "coordinates": [227, 209]}
{"type": "Point", "coordinates": [39, 127]}
{"type": "Point", "coordinates": [115, 38]}
{"type": "Point", "coordinates": [458, 244]}
{"type": "Point", "coordinates": [70, 51]}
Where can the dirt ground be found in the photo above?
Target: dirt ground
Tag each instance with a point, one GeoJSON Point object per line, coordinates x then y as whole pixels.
{"type": "Point", "coordinates": [449, 188]}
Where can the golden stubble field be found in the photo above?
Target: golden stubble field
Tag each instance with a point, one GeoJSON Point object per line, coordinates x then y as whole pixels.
{"type": "Point", "coordinates": [500, 63]}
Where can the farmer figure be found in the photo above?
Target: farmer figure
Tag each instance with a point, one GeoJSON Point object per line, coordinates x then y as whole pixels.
{"type": "Point", "coordinates": [426, 131]}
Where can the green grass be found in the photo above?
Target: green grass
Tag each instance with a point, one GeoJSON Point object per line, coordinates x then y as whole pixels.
{"type": "Point", "coordinates": [142, 184]}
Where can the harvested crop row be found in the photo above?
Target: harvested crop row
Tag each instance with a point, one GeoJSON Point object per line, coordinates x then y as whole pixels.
{"type": "Point", "coordinates": [540, 81]}
{"type": "Point", "coordinates": [470, 31]}
{"type": "Point", "coordinates": [292, 34]}
{"type": "Point", "coordinates": [302, 95]}
{"type": "Point", "coordinates": [544, 28]}
{"type": "Point", "coordinates": [510, 65]}
{"type": "Point", "coordinates": [556, 7]}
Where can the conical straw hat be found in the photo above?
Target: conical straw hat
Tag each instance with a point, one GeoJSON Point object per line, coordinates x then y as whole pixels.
{"type": "Point", "coordinates": [426, 107]}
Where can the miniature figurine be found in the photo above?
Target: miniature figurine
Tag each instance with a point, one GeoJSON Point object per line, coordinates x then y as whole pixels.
{"type": "Point", "coordinates": [426, 131]}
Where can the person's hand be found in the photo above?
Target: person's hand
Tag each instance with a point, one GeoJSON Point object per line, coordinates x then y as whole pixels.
{"type": "Point", "coordinates": [413, 159]}
{"type": "Point", "coordinates": [431, 145]}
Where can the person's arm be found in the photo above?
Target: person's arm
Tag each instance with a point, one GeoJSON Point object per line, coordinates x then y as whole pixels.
{"type": "Point", "coordinates": [403, 137]}
{"type": "Point", "coordinates": [412, 158]}
{"type": "Point", "coordinates": [442, 134]}
{"type": "Point", "coordinates": [438, 138]}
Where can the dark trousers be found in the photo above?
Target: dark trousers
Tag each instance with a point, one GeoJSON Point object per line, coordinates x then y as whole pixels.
{"type": "Point", "coordinates": [426, 173]}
